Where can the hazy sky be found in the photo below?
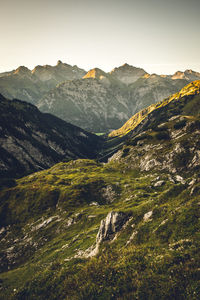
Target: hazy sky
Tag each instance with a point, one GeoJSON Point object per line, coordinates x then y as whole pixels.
{"type": "Point", "coordinates": [161, 36]}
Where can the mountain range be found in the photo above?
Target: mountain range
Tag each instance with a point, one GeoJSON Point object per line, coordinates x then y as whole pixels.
{"type": "Point", "coordinates": [124, 228]}
{"type": "Point", "coordinates": [96, 101]}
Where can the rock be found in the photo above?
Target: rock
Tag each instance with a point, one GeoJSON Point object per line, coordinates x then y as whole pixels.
{"type": "Point", "coordinates": [113, 223]}
{"type": "Point", "coordinates": [180, 179]}
{"type": "Point", "coordinates": [131, 237]}
{"type": "Point", "coordinates": [159, 183]}
{"type": "Point", "coordinates": [193, 181]}
{"type": "Point", "coordinates": [194, 190]}
{"type": "Point", "coordinates": [147, 216]}
{"type": "Point", "coordinates": [149, 163]}
{"type": "Point", "coordinates": [108, 194]}
{"type": "Point", "coordinates": [94, 203]}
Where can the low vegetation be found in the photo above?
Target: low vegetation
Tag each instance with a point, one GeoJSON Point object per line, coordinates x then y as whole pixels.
{"type": "Point", "coordinates": [50, 219]}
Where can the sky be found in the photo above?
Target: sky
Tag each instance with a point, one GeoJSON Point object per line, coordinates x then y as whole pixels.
{"type": "Point", "coordinates": [161, 36]}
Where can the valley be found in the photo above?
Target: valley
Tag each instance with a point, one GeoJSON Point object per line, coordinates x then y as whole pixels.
{"type": "Point", "coordinates": [121, 224]}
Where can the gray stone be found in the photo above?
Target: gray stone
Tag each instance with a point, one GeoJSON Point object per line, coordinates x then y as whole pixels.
{"type": "Point", "coordinates": [113, 223]}
{"type": "Point", "coordinates": [159, 183]}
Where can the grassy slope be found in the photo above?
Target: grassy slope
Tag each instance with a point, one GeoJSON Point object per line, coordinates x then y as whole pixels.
{"type": "Point", "coordinates": [160, 262]}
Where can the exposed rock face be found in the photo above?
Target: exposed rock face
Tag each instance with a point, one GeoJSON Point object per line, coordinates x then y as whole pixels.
{"type": "Point", "coordinates": [111, 225]}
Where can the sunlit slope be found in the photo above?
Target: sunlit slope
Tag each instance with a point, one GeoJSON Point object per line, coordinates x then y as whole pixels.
{"type": "Point", "coordinates": [191, 89]}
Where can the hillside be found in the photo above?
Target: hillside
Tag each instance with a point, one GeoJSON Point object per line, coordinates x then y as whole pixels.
{"type": "Point", "coordinates": [126, 229]}
{"type": "Point", "coordinates": [30, 86]}
{"type": "Point", "coordinates": [165, 108]}
{"type": "Point", "coordinates": [31, 140]}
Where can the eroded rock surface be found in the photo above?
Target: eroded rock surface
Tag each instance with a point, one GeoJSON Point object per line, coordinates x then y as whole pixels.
{"type": "Point", "coordinates": [109, 226]}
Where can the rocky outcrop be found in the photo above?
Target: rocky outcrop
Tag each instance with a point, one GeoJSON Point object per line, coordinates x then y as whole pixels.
{"type": "Point", "coordinates": [112, 224]}
{"type": "Point", "coordinates": [109, 227]}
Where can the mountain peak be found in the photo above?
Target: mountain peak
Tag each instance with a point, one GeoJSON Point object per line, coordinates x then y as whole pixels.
{"type": "Point", "coordinates": [59, 62]}
{"type": "Point", "coordinates": [95, 73]}
{"type": "Point", "coordinates": [127, 73]}
{"type": "Point", "coordinates": [126, 65]}
{"type": "Point", "coordinates": [22, 70]}
{"type": "Point", "coordinates": [188, 75]}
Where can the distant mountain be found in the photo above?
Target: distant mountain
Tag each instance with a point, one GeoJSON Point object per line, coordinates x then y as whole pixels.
{"type": "Point", "coordinates": [128, 74]}
{"type": "Point", "coordinates": [31, 140]}
{"type": "Point", "coordinates": [188, 75]}
{"type": "Point", "coordinates": [150, 89]}
{"type": "Point", "coordinates": [30, 86]}
{"type": "Point", "coordinates": [97, 102]}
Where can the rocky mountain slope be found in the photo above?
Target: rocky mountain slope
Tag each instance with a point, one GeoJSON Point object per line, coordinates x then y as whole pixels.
{"type": "Point", "coordinates": [103, 101]}
{"type": "Point", "coordinates": [30, 86]}
{"type": "Point", "coordinates": [128, 74]}
{"type": "Point", "coordinates": [126, 229]}
{"type": "Point", "coordinates": [97, 102]}
{"type": "Point", "coordinates": [31, 140]}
